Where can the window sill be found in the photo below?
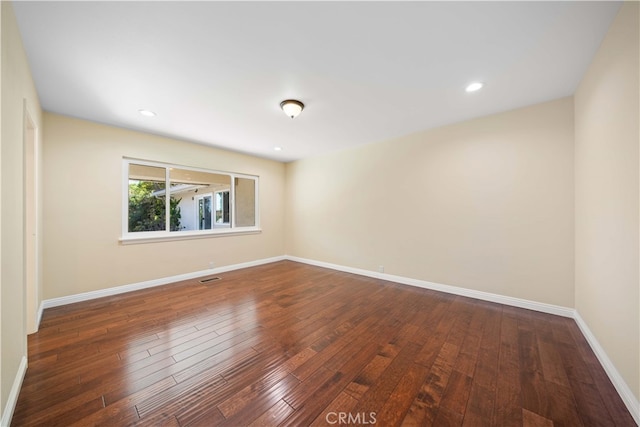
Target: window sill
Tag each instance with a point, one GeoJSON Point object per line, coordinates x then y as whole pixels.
{"type": "Point", "coordinates": [153, 237]}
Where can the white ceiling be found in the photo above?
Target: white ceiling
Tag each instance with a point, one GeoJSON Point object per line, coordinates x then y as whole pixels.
{"type": "Point", "coordinates": [215, 72]}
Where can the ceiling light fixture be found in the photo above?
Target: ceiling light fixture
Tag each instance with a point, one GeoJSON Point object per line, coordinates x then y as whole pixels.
{"type": "Point", "coordinates": [147, 113]}
{"type": "Point", "coordinates": [291, 107]}
{"type": "Point", "coordinates": [474, 87]}
{"type": "Point", "coordinates": [277, 148]}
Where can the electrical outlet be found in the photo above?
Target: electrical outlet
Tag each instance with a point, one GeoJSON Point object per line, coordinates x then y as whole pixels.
{"type": "Point", "coordinates": [211, 264]}
{"type": "Point", "coordinates": [381, 269]}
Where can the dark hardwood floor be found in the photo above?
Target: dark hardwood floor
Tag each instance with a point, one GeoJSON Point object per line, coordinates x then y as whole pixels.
{"type": "Point", "coordinates": [292, 344]}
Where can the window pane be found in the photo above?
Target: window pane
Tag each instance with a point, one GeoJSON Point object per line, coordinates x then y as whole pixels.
{"type": "Point", "coordinates": [204, 213]}
{"type": "Point", "coordinates": [192, 198]}
{"type": "Point", "coordinates": [147, 209]}
{"type": "Point", "coordinates": [222, 207]}
{"type": "Point", "coordinates": [245, 202]}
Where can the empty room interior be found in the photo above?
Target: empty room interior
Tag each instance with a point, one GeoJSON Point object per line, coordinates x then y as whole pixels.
{"type": "Point", "coordinates": [320, 213]}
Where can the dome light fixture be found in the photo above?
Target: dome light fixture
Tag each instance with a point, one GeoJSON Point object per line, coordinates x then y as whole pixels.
{"type": "Point", "coordinates": [292, 107]}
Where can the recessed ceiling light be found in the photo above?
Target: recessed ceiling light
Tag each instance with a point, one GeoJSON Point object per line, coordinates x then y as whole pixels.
{"type": "Point", "coordinates": [474, 87]}
{"type": "Point", "coordinates": [147, 113]}
{"type": "Point", "coordinates": [277, 148]}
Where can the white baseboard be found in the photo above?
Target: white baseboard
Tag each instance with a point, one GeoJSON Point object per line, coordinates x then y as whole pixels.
{"type": "Point", "coordinates": [39, 315]}
{"type": "Point", "coordinates": [629, 399]}
{"type": "Point", "coordinates": [486, 296]}
{"type": "Point", "coordinates": [55, 302]}
{"type": "Point", "coordinates": [12, 400]}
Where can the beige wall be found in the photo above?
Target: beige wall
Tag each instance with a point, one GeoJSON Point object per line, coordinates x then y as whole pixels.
{"type": "Point", "coordinates": [485, 204]}
{"type": "Point", "coordinates": [83, 202]}
{"type": "Point", "coordinates": [16, 88]}
{"type": "Point", "coordinates": [607, 190]}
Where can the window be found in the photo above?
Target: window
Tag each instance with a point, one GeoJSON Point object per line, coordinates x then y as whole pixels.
{"type": "Point", "coordinates": [205, 213]}
{"type": "Point", "coordinates": [222, 207]}
{"type": "Point", "coordinates": [147, 205]}
{"type": "Point", "coordinates": [169, 201]}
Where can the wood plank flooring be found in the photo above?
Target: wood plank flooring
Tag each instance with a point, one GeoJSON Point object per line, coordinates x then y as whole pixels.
{"type": "Point", "coordinates": [296, 345]}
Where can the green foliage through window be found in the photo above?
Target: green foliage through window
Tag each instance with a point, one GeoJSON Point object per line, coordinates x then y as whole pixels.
{"type": "Point", "coordinates": [147, 207]}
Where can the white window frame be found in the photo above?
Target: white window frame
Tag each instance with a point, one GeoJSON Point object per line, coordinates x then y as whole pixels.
{"type": "Point", "coordinates": [167, 235]}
